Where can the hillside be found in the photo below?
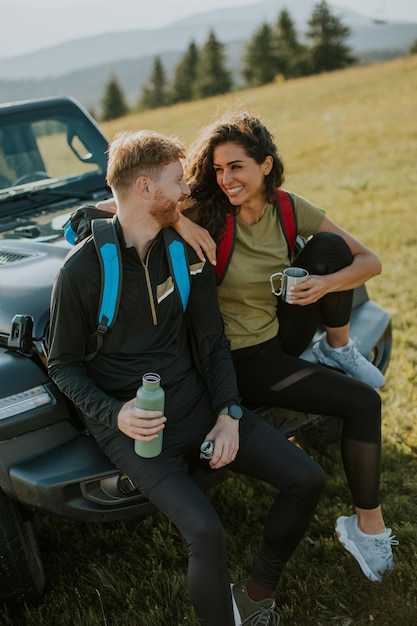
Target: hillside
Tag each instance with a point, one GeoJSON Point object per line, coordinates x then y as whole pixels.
{"type": "Point", "coordinates": [82, 67]}
{"type": "Point", "coordinates": [336, 120]}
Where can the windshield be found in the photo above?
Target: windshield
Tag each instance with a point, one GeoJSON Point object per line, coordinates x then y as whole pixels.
{"type": "Point", "coordinates": [56, 146]}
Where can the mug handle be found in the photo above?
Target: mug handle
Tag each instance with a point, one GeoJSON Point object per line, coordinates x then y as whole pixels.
{"type": "Point", "coordinates": [271, 280]}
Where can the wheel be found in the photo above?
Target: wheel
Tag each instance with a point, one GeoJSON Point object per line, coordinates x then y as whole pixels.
{"type": "Point", "coordinates": [381, 352]}
{"type": "Point", "coordinates": [22, 577]}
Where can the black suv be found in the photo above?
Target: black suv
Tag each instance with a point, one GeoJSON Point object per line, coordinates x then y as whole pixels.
{"type": "Point", "coordinates": [52, 160]}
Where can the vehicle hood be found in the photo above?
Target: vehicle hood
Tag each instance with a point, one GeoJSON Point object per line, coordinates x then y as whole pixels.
{"type": "Point", "coordinates": [31, 253]}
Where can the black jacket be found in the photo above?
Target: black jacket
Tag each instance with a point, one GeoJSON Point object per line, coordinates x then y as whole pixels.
{"type": "Point", "coordinates": [151, 334]}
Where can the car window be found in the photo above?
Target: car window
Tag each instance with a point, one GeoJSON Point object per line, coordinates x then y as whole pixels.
{"type": "Point", "coordinates": [40, 149]}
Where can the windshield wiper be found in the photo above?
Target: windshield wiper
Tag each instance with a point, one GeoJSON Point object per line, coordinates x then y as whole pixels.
{"type": "Point", "coordinates": [7, 224]}
{"type": "Point", "coordinates": [34, 194]}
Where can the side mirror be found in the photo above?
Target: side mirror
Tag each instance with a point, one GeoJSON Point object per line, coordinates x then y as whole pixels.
{"type": "Point", "coordinates": [21, 333]}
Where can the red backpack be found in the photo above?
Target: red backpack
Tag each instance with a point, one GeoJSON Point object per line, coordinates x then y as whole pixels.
{"type": "Point", "coordinates": [284, 205]}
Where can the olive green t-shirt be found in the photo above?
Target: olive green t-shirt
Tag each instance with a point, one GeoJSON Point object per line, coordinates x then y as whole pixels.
{"type": "Point", "coordinates": [245, 297]}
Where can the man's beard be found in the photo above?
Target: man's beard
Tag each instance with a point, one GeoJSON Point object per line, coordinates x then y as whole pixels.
{"type": "Point", "coordinates": [164, 210]}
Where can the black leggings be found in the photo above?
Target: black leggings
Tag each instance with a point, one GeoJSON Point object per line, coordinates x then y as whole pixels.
{"type": "Point", "coordinates": [273, 374]}
{"type": "Point", "coordinates": [265, 454]}
{"type": "Point", "coordinates": [324, 254]}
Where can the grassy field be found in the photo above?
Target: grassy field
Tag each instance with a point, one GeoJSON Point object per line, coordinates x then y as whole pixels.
{"type": "Point", "coordinates": [349, 141]}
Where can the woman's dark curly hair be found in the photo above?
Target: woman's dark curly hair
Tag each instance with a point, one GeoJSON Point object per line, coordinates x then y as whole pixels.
{"type": "Point", "coordinates": [248, 132]}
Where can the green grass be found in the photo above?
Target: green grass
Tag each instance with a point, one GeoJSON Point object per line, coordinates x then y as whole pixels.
{"type": "Point", "coordinates": [349, 141]}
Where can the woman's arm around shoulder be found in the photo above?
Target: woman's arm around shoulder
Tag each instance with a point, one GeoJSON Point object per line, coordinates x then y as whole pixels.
{"type": "Point", "coordinates": [197, 237]}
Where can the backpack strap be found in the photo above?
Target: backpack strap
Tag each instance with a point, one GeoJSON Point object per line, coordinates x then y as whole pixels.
{"type": "Point", "coordinates": [288, 218]}
{"type": "Point", "coordinates": [225, 247]}
{"type": "Point", "coordinates": [78, 226]}
{"type": "Point", "coordinates": [179, 266]}
{"type": "Point", "coordinates": [108, 252]}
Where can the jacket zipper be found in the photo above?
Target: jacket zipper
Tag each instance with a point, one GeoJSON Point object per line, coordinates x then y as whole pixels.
{"type": "Point", "coordinates": [145, 264]}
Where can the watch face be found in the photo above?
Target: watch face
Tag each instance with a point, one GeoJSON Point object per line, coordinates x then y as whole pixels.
{"type": "Point", "coordinates": [235, 411]}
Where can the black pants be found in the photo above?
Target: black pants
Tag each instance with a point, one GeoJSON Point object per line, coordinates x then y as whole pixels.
{"type": "Point", "coordinates": [273, 374]}
{"type": "Point", "coordinates": [265, 454]}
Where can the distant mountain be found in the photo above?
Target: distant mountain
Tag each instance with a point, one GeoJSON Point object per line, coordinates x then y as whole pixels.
{"type": "Point", "coordinates": [231, 24]}
{"type": "Point", "coordinates": [83, 67]}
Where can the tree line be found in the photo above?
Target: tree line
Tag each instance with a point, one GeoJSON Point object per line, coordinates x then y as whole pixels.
{"type": "Point", "coordinates": [274, 50]}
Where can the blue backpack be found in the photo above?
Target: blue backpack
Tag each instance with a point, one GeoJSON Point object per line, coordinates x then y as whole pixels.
{"type": "Point", "coordinates": [88, 220]}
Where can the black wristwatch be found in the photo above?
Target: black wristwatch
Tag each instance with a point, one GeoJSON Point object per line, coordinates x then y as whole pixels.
{"type": "Point", "coordinates": [233, 410]}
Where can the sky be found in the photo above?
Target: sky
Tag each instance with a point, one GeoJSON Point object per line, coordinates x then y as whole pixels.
{"type": "Point", "coordinates": [173, 9]}
{"type": "Point", "coordinates": [29, 25]}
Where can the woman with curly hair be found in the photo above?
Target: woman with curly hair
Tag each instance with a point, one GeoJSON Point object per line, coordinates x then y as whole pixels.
{"type": "Point", "coordinates": [234, 171]}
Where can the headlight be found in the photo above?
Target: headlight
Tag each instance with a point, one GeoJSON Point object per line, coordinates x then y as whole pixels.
{"type": "Point", "coordinates": [23, 401]}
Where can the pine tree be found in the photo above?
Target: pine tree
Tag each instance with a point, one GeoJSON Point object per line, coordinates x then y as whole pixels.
{"type": "Point", "coordinates": [113, 104]}
{"type": "Point", "coordinates": [185, 75]}
{"type": "Point", "coordinates": [213, 77]}
{"type": "Point", "coordinates": [259, 60]}
{"type": "Point", "coordinates": [154, 93]}
{"type": "Point", "coordinates": [291, 55]}
{"type": "Point", "coordinates": [328, 35]}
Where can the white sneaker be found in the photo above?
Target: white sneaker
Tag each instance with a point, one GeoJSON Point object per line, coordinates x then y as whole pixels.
{"type": "Point", "coordinates": [350, 361]}
{"type": "Point", "coordinates": [372, 552]}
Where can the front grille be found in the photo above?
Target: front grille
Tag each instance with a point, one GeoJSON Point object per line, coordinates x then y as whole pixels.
{"type": "Point", "coordinates": [7, 257]}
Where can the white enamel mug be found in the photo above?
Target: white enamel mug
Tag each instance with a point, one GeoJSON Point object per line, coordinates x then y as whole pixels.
{"type": "Point", "coordinates": [288, 278]}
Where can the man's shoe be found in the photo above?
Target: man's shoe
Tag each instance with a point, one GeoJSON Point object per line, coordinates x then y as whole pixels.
{"type": "Point", "coordinates": [372, 552]}
{"type": "Point", "coordinates": [350, 361]}
{"type": "Point", "coordinates": [247, 612]}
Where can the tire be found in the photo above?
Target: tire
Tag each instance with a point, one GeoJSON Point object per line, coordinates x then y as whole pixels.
{"type": "Point", "coordinates": [381, 352]}
{"type": "Point", "coordinates": [22, 577]}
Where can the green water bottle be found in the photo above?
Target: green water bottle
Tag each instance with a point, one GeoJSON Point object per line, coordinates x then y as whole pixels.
{"type": "Point", "coordinates": [150, 396]}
